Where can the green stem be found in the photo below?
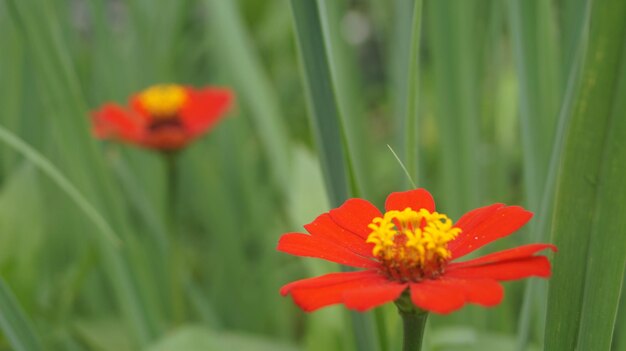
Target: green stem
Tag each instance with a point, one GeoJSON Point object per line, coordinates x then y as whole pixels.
{"type": "Point", "coordinates": [172, 189]}
{"type": "Point", "coordinates": [413, 323]}
{"type": "Point", "coordinates": [175, 258]}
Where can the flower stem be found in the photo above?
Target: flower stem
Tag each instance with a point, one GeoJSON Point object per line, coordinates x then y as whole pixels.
{"type": "Point", "coordinates": [413, 323]}
{"type": "Point", "coordinates": [175, 258]}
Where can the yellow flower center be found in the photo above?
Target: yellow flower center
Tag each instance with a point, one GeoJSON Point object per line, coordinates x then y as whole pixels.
{"type": "Point", "coordinates": [163, 101]}
{"type": "Point", "coordinates": [412, 245]}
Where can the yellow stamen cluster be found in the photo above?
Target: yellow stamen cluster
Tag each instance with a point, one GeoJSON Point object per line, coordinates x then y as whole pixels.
{"type": "Point", "coordinates": [412, 244]}
{"type": "Point", "coordinates": [163, 101]}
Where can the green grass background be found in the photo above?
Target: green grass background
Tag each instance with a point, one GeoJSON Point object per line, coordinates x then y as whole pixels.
{"type": "Point", "coordinates": [516, 101]}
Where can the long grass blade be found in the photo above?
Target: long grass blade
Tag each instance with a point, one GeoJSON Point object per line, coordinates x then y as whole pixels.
{"type": "Point", "coordinates": [406, 82]}
{"type": "Point", "coordinates": [244, 67]}
{"type": "Point", "coordinates": [588, 218]}
{"type": "Point", "coordinates": [14, 324]}
{"type": "Point", "coordinates": [39, 26]}
{"type": "Point", "coordinates": [327, 123]}
{"type": "Point", "coordinates": [454, 37]}
{"type": "Point", "coordinates": [61, 180]}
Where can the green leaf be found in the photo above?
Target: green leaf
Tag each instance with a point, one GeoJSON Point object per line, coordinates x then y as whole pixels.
{"type": "Point", "coordinates": [196, 338]}
{"type": "Point", "coordinates": [14, 324]}
{"type": "Point", "coordinates": [588, 215]}
{"type": "Point", "coordinates": [339, 178]}
{"type": "Point", "coordinates": [243, 64]}
{"type": "Point", "coordinates": [62, 181]}
{"type": "Point", "coordinates": [405, 74]}
{"type": "Point", "coordinates": [324, 111]}
{"type": "Point", "coordinates": [454, 36]}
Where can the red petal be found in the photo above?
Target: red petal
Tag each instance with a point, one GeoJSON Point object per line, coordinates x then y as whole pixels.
{"type": "Point", "coordinates": [430, 296]}
{"type": "Point", "coordinates": [111, 121]}
{"type": "Point", "coordinates": [485, 292]}
{"type": "Point", "coordinates": [446, 295]}
{"type": "Point", "coordinates": [510, 254]}
{"type": "Point", "coordinates": [331, 289]}
{"type": "Point", "coordinates": [415, 199]}
{"type": "Point", "coordinates": [355, 215]}
{"type": "Point", "coordinates": [364, 298]}
{"type": "Point", "coordinates": [484, 225]}
{"type": "Point", "coordinates": [312, 246]}
{"type": "Point", "coordinates": [137, 107]}
{"type": "Point", "coordinates": [204, 108]}
{"type": "Point", "coordinates": [538, 266]}
{"type": "Point", "coordinates": [326, 280]}
{"type": "Point", "coordinates": [324, 227]}
{"type": "Point", "coordinates": [475, 217]}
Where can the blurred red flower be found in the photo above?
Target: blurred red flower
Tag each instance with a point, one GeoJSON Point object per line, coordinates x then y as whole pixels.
{"type": "Point", "coordinates": [163, 117]}
{"type": "Point", "coordinates": [411, 248]}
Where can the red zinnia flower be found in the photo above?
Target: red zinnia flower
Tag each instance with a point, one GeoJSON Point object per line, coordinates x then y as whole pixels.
{"type": "Point", "coordinates": [411, 248]}
{"type": "Point", "coordinates": [163, 117]}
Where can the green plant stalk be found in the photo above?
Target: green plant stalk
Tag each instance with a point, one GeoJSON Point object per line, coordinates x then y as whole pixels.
{"type": "Point", "coordinates": [413, 323]}
{"type": "Point", "coordinates": [175, 258]}
{"type": "Point", "coordinates": [328, 127]}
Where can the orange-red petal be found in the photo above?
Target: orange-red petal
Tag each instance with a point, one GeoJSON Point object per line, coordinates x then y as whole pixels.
{"type": "Point", "coordinates": [312, 294]}
{"type": "Point", "coordinates": [327, 280]}
{"type": "Point", "coordinates": [515, 253]}
{"type": "Point", "coordinates": [379, 293]}
{"type": "Point", "coordinates": [415, 199]}
{"type": "Point", "coordinates": [355, 215]}
{"type": "Point", "coordinates": [324, 227]}
{"type": "Point", "coordinates": [533, 266]}
{"type": "Point", "coordinates": [484, 225]}
{"type": "Point", "coordinates": [446, 295]}
{"type": "Point", "coordinates": [433, 297]}
{"type": "Point", "coordinates": [204, 108]}
{"type": "Point", "coordinates": [312, 246]}
{"type": "Point", "coordinates": [111, 121]}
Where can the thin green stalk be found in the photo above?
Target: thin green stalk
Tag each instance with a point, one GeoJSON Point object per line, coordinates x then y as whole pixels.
{"type": "Point", "coordinates": [175, 244]}
{"type": "Point", "coordinates": [413, 324]}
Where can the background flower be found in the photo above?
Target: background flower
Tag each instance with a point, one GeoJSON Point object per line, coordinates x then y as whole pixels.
{"type": "Point", "coordinates": [163, 117]}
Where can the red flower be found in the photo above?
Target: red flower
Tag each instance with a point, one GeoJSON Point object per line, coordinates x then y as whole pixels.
{"type": "Point", "coordinates": [163, 117]}
{"type": "Point", "coordinates": [411, 248]}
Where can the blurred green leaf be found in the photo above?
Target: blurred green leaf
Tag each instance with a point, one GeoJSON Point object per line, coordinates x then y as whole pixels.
{"type": "Point", "coordinates": [14, 324]}
{"type": "Point", "coordinates": [103, 334]}
{"type": "Point", "coordinates": [468, 339]}
{"type": "Point", "coordinates": [197, 338]}
{"type": "Point", "coordinates": [250, 80]}
{"type": "Point", "coordinates": [62, 181]}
